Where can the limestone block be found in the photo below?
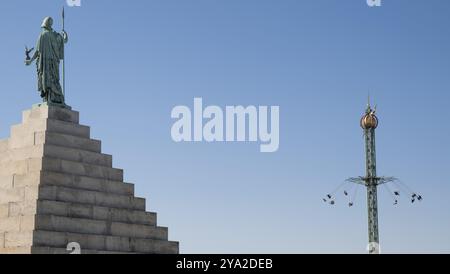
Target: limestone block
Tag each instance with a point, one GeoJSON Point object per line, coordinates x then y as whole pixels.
{"type": "Point", "coordinates": [117, 244]}
{"type": "Point", "coordinates": [20, 167]}
{"type": "Point", "coordinates": [28, 179]}
{"type": "Point", "coordinates": [139, 231]}
{"type": "Point", "coordinates": [14, 167]}
{"type": "Point", "coordinates": [75, 225]}
{"type": "Point", "coordinates": [95, 227]}
{"type": "Point", "coordinates": [108, 186]}
{"type": "Point", "coordinates": [55, 239]}
{"type": "Point", "coordinates": [47, 207]}
{"type": "Point", "coordinates": [16, 250]}
{"type": "Point", "coordinates": [22, 130]}
{"type": "Point", "coordinates": [56, 178]}
{"type": "Point", "coordinates": [49, 251]}
{"type": "Point", "coordinates": [22, 208]}
{"type": "Point", "coordinates": [24, 195]}
{"type": "Point", "coordinates": [71, 195]}
{"type": "Point", "coordinates": [21, 137]}
{"type": "Point", "coordinates": [67, 195]}
{"type": "Point", "coordinates": [61, 239]}
{"type": "Point", "coordinates": [66, 128]}
{"type": "Point", "coordinates": [79, 211]}
{"type": "Point", "coordinates": [61, 251]}
{"type": "Point", "coordinates": [154, 246]}
{"type": "Point", "coordinates": [2, 240]}
{"type": "Point", "coordinates": [34, 164]}
{"type": "Point", "coordinates": [75, 210]}
{"type": "Point", "coordinates": [105, 243]}
{"type": "Point", "coordinates": [31, 193]}
{"type": "Point", "coordinates": [78, 155]}
{"type": "Point", "coordinates": [12, 195]}
{"type": "Point", "coordinates": [17, 223]}
{"type": "Point", "coordinates": [45, 112]}
{"type": "Point", "coordinates": [86, 183]}
{"type": "Point", "coordinates": [6, 181]}
{"type": "Point", "coordinates": [125, 215]}
{"type": "Point", "coordinates": [59, 139]}
{"type": "Point", "coordinates": [119, 201]}
{"type": "Point", "coordinates": [27, 223]}
{"type": "Point", "coordinates": [64, 115]}
{"type": "Point", "coordinates": [22, 153]}
{"type": "Point", "coordinates": [24, 135]}
{"type": "Point", "coordinates": [18, 239]}
{"type": "Point", "coordinates": [4, 210]}
{"type": "Point", "coordinates": [39, 138]}
{"type": "Point", "coordinates": [10, 224]}
{"type": "Point", "coordinates": [82, 169]}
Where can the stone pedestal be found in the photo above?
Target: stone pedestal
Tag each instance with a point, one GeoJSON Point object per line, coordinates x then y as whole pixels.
{"type": "Point", "coordinates": [56, 187]}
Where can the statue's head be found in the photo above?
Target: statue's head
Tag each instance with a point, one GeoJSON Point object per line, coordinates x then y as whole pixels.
{"type": "Point", "coordinates": [47, 23]}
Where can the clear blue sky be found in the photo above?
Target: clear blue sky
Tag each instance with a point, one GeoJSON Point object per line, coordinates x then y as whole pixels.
{"type": "Point", "coordinates": [130, 62]}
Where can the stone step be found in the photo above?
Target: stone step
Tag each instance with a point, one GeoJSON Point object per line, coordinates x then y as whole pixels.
{"type": "Point", "coordinates": [23, 134]}
{"type": "Point", "coordinates": [72, 195]}
{"type": "Point", "coordinates": [59, 139]}
{"type": "Point", "coordinates": [86, 211]}
{"type": "Point", "coordinates": [20, 239]}
{"type": "Point", "coordinates": [59, 152]}
{"type": "Point", "coordinates": [44, 112]}
{"type": "Point", "coordinates": [50, 178]}
{"type": "Point", "coordinates": [63, 251]}
{"type": "Point", "coordinates": [46, 250]}
{"type": "Point", "coordinates": [23, 153]}
{"type": "Point", "coordinates": [82, 169]}
{"type": "Point", "coordinates": [14, 209]}
{"type": "Point", "coordinates": [42, 238]}
{"type": "Point", "coordinates": [77, 210]}
{"type": "Point", "coordinates": [97, 227]}
{"type": "Point", "coordinates": [77, 155]}
{"type": "Point", "coordinates": [9, 168]}
{"type": "Point", "coordinates": [68, 128]}
{"type": "Point", "coordinates": [15, 250]}
{"type": "Point", "coordinates": [17, 224]}
{"type": "Point", "coordinates": [12, 195]}
{"type": "Point", "coordinates": [81, 225]}
{"type": "Point", "coordinates": [53, 251]}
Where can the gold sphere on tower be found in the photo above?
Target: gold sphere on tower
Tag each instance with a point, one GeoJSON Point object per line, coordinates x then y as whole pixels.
{"type": "Point", "coordinates": [369, 120]}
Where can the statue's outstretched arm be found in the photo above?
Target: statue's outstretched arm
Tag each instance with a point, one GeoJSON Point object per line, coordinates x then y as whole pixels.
{"type": "Point", "coordinates": [35, 56]}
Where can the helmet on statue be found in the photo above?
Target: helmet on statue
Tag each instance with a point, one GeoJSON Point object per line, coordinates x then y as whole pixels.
{"type": "Point", "coordinates": [47, 23]}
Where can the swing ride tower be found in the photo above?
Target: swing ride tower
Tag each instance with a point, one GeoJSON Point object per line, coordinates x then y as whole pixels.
{"type": "Point", "coordinates": [369, 123]}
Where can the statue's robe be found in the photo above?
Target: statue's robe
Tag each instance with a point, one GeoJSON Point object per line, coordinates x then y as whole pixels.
{"type": "Point", "coordinates": [50, 49]}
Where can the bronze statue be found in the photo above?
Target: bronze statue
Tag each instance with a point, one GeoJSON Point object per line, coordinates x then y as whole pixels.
{"type": "Point", "coordinates": [49, 52]}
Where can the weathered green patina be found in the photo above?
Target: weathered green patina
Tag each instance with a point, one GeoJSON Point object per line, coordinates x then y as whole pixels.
{"type": "Point", "coordinates": [48, 55]}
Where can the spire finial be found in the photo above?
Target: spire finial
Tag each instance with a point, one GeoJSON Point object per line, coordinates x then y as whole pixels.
{"type": "Point", "coordinates": [369, 108]}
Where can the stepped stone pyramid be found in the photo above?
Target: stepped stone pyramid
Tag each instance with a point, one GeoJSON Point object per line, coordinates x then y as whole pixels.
{"type": "Point", "coordinates": [56, 188]}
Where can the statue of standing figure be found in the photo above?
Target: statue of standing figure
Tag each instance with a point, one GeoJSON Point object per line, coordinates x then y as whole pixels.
{"type": "Point", "coordinates": [48, 54]}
